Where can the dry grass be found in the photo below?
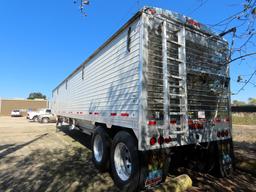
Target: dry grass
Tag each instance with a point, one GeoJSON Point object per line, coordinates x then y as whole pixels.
{"type": "Point", "coordinates": [244, 119]}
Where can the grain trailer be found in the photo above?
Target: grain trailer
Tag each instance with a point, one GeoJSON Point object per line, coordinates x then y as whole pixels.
{"type": "Point", "coordinates": [158, 87]}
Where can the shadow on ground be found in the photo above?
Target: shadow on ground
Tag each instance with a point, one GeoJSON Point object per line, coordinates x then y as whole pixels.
{"type": "Point", "coordinates": [69, 169]}
{"type": "Point", "coordinates": [12, 147]}
{"type": "Point", "coordinates": [56, 170]}
{"type": "Point", "coordinates": [243, 178]}
{"type": "Point", "coordinates": [77, 136]}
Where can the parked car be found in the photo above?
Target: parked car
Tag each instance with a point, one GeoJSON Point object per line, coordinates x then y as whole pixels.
{"type": "Point", "coordinates": [16, 113]}
{"type": "Point", "coordinates": [34, 115]}
{"type": "Point", "coordinates": [47, 118]}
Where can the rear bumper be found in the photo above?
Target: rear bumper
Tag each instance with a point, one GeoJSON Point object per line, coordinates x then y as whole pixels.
{"type": "Point", "coordinates": [16, 115]}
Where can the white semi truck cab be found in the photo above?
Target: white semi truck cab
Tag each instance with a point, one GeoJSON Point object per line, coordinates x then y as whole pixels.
{"type": "Point", "coordinates": [157, 90]}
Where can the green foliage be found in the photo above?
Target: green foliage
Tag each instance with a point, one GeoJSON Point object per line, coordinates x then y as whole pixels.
{"type": "Point", "coordinates": [238, 103]}
{"type": "Point", "coordinates": [36, 95]}
{"type": "Point", "coordinates": [252, 101]}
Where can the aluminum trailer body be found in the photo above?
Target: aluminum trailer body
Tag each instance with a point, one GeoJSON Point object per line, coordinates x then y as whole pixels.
{"type": "Point", "coordinates": [163, 76]}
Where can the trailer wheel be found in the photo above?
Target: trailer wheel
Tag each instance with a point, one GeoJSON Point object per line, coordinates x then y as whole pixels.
{"type": "Point", "coordinates": [100, 149]}
{"type": "Point", "coordinates": [125, 166]}
{"type": "Point", "coordinates": [58, 123]}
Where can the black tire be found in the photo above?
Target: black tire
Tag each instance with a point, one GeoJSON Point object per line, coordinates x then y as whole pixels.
{"type": "Point", "coordinates": [102, 163]}
{"type": "Point", "coordinates": [35, 118]}
{"type": "Point", "coordinates": [58, 123]}
{"type": "Point", "coordinates": [132, 183]}
{"type": "Point", "coordinates": [206, 157]}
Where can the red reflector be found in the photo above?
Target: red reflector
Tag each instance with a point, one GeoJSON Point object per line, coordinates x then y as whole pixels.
{"type": "Point", "coordinates": [196, 125]}
{"type": "Point", "coordinates": [124, 114]}
{"type": "Point", "coordinates": [161, 140]}
{"type": "Point", "coordinates": [167, 140]}
{"type": "Point", "coordinates": [226, 133]}
{"type": "Point", "coordinates": [152, 11]}
{"type": "Point", "coordinates": [217, 120]}
{"type": "Point", "coordinates": [193, 22]}
{"type": "Point", "coordinates": [152, 122]}
{"type": "Point", "coordinates": [113, 114]}
{"type": "Point", "coordinates": [152, 141]}
{"type": "Point", "coordinates": [200, 126]}
{"type": "Point", "coordinates": [173, 121]}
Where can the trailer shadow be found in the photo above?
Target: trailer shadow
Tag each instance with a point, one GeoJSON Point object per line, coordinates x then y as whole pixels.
{"type": "Point", "coordinates": [243, 179]}
{"type": "Point", "coordinates": [77, 136]}
{"type": "Point", "coordinates": [55, 170]}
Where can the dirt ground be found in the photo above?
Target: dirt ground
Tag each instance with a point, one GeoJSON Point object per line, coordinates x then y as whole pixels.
{"type": "Point", "coordinates": [36, 157]}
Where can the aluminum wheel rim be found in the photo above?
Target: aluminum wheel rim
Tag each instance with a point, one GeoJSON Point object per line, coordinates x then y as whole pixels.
{"type": "Point", "coordinates": [98, 148]}
{"type": "Point", "coordinates": [122, 161]}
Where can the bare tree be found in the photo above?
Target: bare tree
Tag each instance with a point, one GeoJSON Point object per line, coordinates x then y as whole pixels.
{"type": "Point", "coordinates": [82, 4]}
{"type": "Point", "coordinates": [241, 26]}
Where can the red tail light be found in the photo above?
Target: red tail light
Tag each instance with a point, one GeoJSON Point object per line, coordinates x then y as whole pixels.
{"type": "Point", "coordinates": [173, 121]}
{"type": "Point", "coordinates": [152, 141]}
{"type": "Point", "coordinates": [200, 126]}
{"type": "Point", "coordinates": [160, 140]}
{"type": "Point", "coordinates": [151, 122]}
{"type": "Point", "coordinates": [167, 140]}
{"type": "Point", "coordinates": [196, 125]}
{"type": "Point", "coordinates": [217, 120]}
{"type": "Point", "coordinates": [124, 114]}
{"type": "Point", "coordinates": [112, 114]}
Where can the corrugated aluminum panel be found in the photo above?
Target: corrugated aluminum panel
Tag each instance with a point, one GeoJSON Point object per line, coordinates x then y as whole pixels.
{"type": "Point", "coordinates": [108, 83]}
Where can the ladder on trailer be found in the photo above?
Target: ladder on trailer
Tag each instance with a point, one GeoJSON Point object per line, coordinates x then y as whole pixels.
{"type": "Point", "coordinates": [175, 81]}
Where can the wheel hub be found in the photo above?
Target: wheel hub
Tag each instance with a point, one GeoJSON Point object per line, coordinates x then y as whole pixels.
{"type": "Point", "coordinates": [98, 148]}
{"type": "Point", "coordinates": [122, 161]}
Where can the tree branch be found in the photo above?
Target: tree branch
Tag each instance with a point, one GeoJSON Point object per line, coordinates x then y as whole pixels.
{"type": "Point", "coordinates": [242, 56]}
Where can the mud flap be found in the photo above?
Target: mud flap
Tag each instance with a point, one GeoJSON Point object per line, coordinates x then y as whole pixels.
{"type": "Point", "coordinates": [154, 168]}
{"type": "Point", "coordinates": [225, 157]}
